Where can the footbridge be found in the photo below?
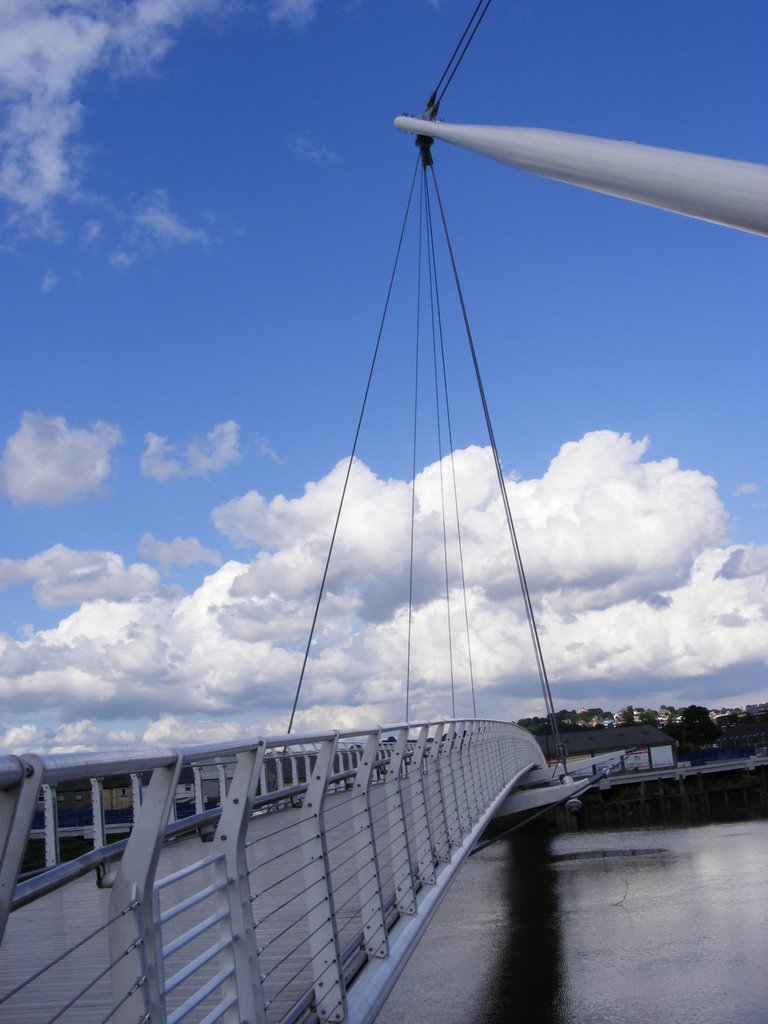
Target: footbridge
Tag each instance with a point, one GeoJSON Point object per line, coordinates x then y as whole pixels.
{"type": "Point", "coordinates": [299, 896]}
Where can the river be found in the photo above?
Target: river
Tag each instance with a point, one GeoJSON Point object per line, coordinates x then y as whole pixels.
{"type": "Point", "coordinates": [625, 926]}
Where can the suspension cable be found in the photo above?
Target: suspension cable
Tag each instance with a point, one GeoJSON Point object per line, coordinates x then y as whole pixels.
{"type": "Point", "coordinates": [354, 446]}
{"type": "Point", "coordinates": [456, 58]}
{"type": "Point", "coordinates": [422, 191]}
{"type": "Point", "coordinates": [433, 320]}
{"type": "Point", "coordinates": [538, 654]}
{"type": "Point", "coordinates": [453, 463]}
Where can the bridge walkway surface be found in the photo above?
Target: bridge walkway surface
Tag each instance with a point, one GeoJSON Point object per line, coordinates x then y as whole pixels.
{"type": "Point", "coordinates": [303, 903]}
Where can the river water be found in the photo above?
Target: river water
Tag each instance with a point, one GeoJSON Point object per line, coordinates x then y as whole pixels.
{"type": "Point", "coordinates": [625, 926]}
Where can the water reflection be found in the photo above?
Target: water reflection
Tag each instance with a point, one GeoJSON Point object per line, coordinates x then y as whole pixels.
{"type": "Point", "coordinates": [596, 927]}
{"type": "Point", "coordinates": [527, 979]}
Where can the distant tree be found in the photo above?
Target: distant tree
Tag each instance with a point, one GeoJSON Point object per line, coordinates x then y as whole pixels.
{"type": "Point", "coordinates": [627, 715]}
{"type": "Point", "coordinates": [695, 728]}
{"type": "Point", "coordinates": [650, 716]}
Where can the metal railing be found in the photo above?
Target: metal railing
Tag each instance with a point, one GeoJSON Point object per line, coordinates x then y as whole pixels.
{"type": "Point", "coordinates": [327, 856]}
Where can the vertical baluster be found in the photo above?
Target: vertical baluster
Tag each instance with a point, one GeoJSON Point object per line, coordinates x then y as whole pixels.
{"type": "Point", "coordinates": [51, 811]}
{"type": "Point", "coordinates": [221, 770]}
{"type": "Point", "coordinates": [139, 967]}
{"type": "Point", "coordinates": [368, 873]}
{"type": "Point", "coordinates": [436, 802]}
{"type": "Point", "coordinates": [230, 837]}
{"type": "Point", "coordinates": [398, 833]}
{"type": "Point", "coordinates": [458, 775]}
{"type": "Point", "coordinates": [97, 810]}
{"type": "Point", "coordinates": [421, 838]}
{"type": "Point", "coordinates": [197, 775]}
{"type": "Point", "coordinates": [447, 786]}
{"type": "Point", "coordinates": [136, 794]}
{"type": "Point", "coordinates": [485, 762]}
{"type": "Point", "coordinates": [469, 769]}
{"type": "Point", "coordinates": [330, 995]}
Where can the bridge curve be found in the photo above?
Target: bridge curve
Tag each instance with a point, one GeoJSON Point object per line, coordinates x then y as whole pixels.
{"type": "Point", "coordinates": [325, 860]}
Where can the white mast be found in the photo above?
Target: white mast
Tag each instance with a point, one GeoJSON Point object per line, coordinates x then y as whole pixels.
{"type": "Point", "coordinates": [730, 192]}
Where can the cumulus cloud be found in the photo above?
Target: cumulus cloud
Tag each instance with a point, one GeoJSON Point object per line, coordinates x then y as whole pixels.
{"type": "Point", "coordinates": [49, 462]}
{"type": "Point", "coordinates": [744, 562]}
{"type": "Point", "coordinates": [61, 576]}
{"type": "Point", "coordinates": [637, 597]}
{"type": "Point", "coordinates": [181, 551]}
{"type": "Point", "coordinates": [160, 461]}
{"type": "Point", "coordinates": [70, 737]}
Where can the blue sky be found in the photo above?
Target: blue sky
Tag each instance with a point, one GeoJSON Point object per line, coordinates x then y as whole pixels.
{"type": "Point", "coordinates": [199, 205]}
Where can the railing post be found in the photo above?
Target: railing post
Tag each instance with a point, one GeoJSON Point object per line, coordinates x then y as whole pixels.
{"type": "Point", "coordinates": [448, 788]}
{"type": "Point", "coordinates": [482, 749]}
{"type": "Point", "coordinates": [97, 812]}
{"type": "Point", "coordinates": [135, 942]}
{"type": "Point", "coordinates": [330, 995]}
{"type": "Point", "coordinates": [51, 811]}
{"type": "Point", "coordinates": [230, 837]}
{"type": "Point", "coordinates": [436, 806]}
{"type": "Point", "coordinates": [368, 874]}
{"type": "Point", "coordinates": [197, 775]}
{"type": "Point", "coordinates": [221, 769]}
{"type": "Point", "coordinates": [136, 794]}
{"type": "Point", "coordinates": [469, 772]}
{"type": "Point", "coordinates": [424, 861]}
{"type": "Point", "coordinates": [18, 806]}
{"type": "Point", "coordinates": [405, 897]}
{"type": "Point", "coordinates": [458, 776]}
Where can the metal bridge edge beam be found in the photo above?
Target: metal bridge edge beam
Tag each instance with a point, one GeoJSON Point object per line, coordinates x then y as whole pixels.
{"type": "Point", "coordinates": [368, 993]}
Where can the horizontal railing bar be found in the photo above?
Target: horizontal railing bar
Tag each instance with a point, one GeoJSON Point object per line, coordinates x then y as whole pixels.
{"type": "Point", "coordinates": [189, 869]}
{"type": "Point", "coordinates": [193, 933]}
{"type": "Point", "coordinates": [69, 767]}
{"type": "Point", "coordinates": [219, 1010]}
{"type": "Point", "coordinates": [200, 996]}
{"type": "Point", "coordinates": [189, 969]}
{"type": "Point", "coordinates": [192, 901]}
{"type": "Point", "coordinates": [11, 771]}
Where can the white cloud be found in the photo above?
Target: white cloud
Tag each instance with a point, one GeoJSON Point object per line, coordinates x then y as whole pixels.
{"type": "Point", "coordinates": [49, 281]}
{"type": "Point", "coordinates": [744, 562]}
{"type": "Point", "coordinates": [744, 489]}
{"type": "Point", "coordinates": [159, 460]}
{"type": "Point", "coordinates": [154, 220]}
{"type": "Point", "coordinates": [181, 551]}
{"type": "Point", "coordinates": [265, 449]}
{"type": "Point", "coordinates": [92, 230]}
{"type": "Point", "coordinates": [47, 50]}
{"type": "Point", "coordinates": [296, 13]}
{"type": "Point", "coordinates": [637, 597]}
{"type": "Point", "coordinates": [62, 576]}
{"type": "Point", "coordinates": [305, 146]}
{"type": "Point", "coordinates": [49, 462]}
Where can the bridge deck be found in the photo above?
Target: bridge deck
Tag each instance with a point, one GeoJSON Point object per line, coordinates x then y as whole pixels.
{"type": "Point", "coordinates": [273, 919]}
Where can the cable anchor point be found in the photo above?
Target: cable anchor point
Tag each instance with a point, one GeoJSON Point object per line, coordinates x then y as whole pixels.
{"type": "Point", "coordinates": [424, 142]}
